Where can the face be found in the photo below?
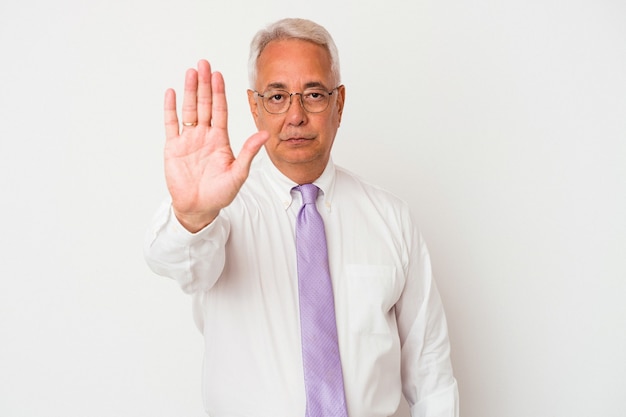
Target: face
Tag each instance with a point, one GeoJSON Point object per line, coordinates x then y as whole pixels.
{"type": "Point", "coordinates": [300, 142]}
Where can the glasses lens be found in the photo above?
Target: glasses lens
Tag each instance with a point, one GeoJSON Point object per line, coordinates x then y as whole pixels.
{"type": "Point", "coordinates": [276, 101]}
{"type": "Point", "coordinates": [315, 101]}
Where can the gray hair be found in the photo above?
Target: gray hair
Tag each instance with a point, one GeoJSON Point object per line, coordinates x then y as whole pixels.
{"type": "Point", "coordinates": [292, 29]}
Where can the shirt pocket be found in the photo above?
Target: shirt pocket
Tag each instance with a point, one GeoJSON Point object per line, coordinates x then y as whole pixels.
{"type": "Point", "coordinates": [371, 297]}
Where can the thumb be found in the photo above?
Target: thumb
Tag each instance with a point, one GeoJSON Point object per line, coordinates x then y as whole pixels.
{"type": "Point", "coordinates": [251, 148]}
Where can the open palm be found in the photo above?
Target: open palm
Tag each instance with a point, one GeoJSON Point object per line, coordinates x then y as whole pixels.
{"type": "Point", "coordinates": [202, 174]}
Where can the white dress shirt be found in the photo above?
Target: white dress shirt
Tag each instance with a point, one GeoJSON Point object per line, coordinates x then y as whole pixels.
{"type": "Point", "coordinates": [241, 273]}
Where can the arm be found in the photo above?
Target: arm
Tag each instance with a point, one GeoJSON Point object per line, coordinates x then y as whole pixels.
{"type": "Point", "coordinates": [194, 260]}
{"type": "Point", "coordinates": [427, 379]}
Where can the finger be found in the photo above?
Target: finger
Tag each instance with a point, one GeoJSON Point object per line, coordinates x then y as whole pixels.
{"type": "Point", "coordinates": [169, 114]}
{"type": "Point", "coordinates": [189, 109]}
{"type": "Point", "coordinates": [204, 93]}
{"type": "Point", "coordinates": [249, 150]}
{"type": "Point", "coordinates": [219, 109]}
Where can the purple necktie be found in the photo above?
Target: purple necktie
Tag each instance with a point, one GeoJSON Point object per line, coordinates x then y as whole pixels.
{"type": "Point", "coordinates": [323, 379]}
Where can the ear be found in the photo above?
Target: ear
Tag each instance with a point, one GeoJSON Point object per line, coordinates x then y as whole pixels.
{"type": "Point", "coordinates": [254, 107]}
{"type": "Point", "coordinates": [341, 99]}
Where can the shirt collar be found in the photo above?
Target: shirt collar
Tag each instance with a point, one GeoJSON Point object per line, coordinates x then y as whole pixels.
{"type": "Point", "coordinates": [282, 185]}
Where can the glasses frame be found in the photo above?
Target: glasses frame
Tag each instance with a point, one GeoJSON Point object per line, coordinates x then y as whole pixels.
{"type": "Point", "coordinates": [330, 93]}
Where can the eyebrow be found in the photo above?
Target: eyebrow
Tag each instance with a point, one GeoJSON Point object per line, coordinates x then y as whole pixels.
{"type": "Point", "coordinates": [311, 84]}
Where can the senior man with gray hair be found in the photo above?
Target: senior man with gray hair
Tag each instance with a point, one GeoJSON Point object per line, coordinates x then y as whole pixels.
{"type": "Point", "coordinates": [313, 288]}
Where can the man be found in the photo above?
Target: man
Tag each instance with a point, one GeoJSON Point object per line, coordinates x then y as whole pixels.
{"type": "Point", "coordinates": [231, 237]}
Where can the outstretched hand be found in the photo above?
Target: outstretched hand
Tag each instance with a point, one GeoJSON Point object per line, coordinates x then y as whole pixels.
{"type": "Point", "coordinates": [202, 174]}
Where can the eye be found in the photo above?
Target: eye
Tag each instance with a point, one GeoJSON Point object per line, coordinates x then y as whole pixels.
{"type": "Point", "coordinates": [314, 95]}
{"type": "Point", "coordinates": [275, 97]}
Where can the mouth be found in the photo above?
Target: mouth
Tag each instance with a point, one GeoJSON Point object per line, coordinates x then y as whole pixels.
{"type": "Point", "coordinates": [296, 140]}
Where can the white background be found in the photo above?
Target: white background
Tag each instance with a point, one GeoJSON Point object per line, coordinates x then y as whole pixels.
{"type": "Point", "coordinates": [503, 123]}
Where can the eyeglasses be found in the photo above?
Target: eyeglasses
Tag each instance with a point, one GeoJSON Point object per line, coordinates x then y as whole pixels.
{"type": "Point", "coordinates": [314, 100]}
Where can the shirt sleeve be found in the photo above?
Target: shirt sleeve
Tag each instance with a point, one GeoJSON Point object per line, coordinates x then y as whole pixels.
{"type": "Point", "coordinates": [427, 378]}
{"type": "Point", "coordinates": [194, 260]}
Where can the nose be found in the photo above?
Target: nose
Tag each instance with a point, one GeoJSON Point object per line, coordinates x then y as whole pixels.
{"type": "Point", "coordinates": [296, 115]}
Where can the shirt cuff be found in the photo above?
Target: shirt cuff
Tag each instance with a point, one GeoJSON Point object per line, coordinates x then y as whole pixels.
{"type": "Point", "coordinates": [181, 236]}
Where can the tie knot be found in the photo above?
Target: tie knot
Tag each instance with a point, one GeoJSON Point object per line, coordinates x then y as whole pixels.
{"type": "Point", "coordinates": [309, 193]}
